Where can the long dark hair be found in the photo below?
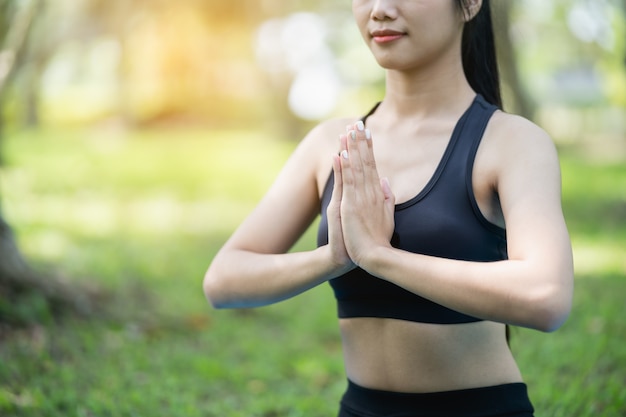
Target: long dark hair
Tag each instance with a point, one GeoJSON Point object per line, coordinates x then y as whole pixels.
{"type": "Point", "coordinates": [478, 50]}
{"type": "Point", "coordinates": [480, 64]}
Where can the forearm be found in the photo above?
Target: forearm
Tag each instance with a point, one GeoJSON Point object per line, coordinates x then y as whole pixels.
{"type": "Point", "coordinates": [518, 292]}
{"type": "Point", "coordinates": [239, 278]}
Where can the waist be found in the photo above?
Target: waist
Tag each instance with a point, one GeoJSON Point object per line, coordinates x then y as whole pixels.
{"type": "Point", "coordinates": [403, 356]}
{"type": "Point", "coordinates": [498, 400]}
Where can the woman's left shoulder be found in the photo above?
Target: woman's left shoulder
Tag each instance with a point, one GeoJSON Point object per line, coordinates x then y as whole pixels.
{"type": "Point", "coordinates": [512, 147]}
{"type": "Point", "coordinates": [506, 130]}
{"type": "Point", "coordinates": [512, 135]}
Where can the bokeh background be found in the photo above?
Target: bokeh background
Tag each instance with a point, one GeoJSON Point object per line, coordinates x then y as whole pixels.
{"type": "Point", "coordinates": [136, 134]}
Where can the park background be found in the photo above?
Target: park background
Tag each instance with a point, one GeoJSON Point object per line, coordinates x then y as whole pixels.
{"type": "Point", "coordinates": [136, 134]}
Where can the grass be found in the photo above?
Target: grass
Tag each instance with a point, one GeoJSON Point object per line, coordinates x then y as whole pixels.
{"type": "Point", "coordinates": [141, 215]}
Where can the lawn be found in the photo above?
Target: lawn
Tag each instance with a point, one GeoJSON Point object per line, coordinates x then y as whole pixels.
{"type": "Point", "coordinates": [139, 216]}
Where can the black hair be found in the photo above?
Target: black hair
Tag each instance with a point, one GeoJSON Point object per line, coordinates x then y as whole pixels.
{"type": "Point", "coordinates": [480, 64]}
{"type": "Point", "coordinates": [478, 51]}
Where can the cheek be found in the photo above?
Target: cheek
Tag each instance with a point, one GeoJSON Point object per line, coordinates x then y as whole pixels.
{"type": "Point", "coordinates": [440, 16]}
{"type": "Point", "coordinates": [360, 11]}
{"type": "Point", "coordinates": [439, 26]}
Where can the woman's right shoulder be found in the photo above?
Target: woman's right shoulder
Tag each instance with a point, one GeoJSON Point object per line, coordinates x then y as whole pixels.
{"type": "Point", "coordinates": [328, 132]}
{"type": "Point", "coordinates": [323, 139]}
{"type": "Point", "coordinates": [321, 143]}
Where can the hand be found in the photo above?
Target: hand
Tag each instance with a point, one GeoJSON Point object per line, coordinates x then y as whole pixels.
{"type": "Point", "coordinates": [367, 204]}
{"type": "Point", "coordinates": [336, 244]}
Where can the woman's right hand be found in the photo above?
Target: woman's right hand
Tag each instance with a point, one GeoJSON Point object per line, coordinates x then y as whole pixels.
{"type": "Point", "coordinates": [336, 243]}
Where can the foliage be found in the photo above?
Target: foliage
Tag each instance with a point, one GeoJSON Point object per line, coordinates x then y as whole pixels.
{"type": "Point", "coordinates": [146, 62]}
{"type": "Point", "coordinates": [143, 213]}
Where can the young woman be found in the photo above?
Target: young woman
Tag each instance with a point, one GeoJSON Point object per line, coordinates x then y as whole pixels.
{"type": "Point", "coordinates": [441, 223]}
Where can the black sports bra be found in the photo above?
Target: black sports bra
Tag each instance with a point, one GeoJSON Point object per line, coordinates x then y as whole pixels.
{"type": "Point", "coordinates": [443, 220]}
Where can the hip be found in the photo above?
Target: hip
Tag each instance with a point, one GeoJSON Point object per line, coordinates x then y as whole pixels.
{"type": "Point", "coordinates": [510, 400]}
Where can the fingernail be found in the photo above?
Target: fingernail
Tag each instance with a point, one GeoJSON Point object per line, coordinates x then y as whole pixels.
{"type": "Point", "coordinates": [353, 134]}
{"type": "Point", "coordinates": [344, 154]}
{"type": "Point", "coordinates": [348, 128]}
{"type": "Point", "coordinates": [368, 134]}
{"type": "Point", "coordinates": [360, 126]}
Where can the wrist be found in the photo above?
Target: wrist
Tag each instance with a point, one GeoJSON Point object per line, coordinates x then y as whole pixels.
{"type": "Point", "coordinates": [335, 265]}
{"type": "Point", "coordinates": [377, 260]}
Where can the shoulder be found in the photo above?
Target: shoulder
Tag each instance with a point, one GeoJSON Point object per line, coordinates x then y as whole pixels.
{"type": "Point", "coordinates": [520, 156]}
{"type": "Point", "coordinates": [512, 140]}
{"type": "Point", "coordinates": [317, 147]}
{"type": "Point", "coordinates": [322, 139]}
{"type": "Point", "coordinates": [329, 130]}
{"type": "Point", "coordinates": [511, 133]}
{"type": "Point", "coordinates": [513, 150]}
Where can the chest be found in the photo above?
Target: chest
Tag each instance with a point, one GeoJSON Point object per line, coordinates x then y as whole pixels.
{"type": "Point", "coordinates": [413, 166]}
{"type": "Point", "coordinates": [409, 166]}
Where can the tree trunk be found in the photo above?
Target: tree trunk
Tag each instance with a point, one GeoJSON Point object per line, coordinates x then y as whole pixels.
{"type": "Point", "coordinates": [18, 281]}
{"type": "Point", "coordinates": [12, 264]}
{"type": "Point", "coordinates": [521, 103]}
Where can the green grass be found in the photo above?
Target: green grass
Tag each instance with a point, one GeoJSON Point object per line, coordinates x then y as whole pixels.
{"type": "Point", "coordinates": [142, 214]}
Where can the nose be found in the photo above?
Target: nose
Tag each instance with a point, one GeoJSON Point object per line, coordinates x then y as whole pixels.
{"type": "Point", "coordinates": [384, 10]}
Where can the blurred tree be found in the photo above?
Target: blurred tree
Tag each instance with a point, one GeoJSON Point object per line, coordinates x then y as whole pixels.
{"type": "Point", "coordinates": [514, 92]}
{"type": "Point", "coordinates": [15, 24]}
{"type": "Point", "coordinates": [160, 60]}
{"type": "Point", "coordinates": [19, 283]}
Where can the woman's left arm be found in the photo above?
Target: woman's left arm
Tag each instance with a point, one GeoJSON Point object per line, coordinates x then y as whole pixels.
{"type": "Point", "coordinates": [532, 288]}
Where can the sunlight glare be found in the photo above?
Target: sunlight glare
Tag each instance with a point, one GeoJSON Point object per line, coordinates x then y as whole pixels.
{"type": "Point", "coordinates": [314, 92]}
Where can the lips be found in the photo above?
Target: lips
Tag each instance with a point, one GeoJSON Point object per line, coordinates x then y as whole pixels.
{"type": "Point", "coordinates": [386, 35]}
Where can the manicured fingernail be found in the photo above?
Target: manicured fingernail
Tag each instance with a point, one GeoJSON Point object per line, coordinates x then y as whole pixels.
{"type": "Point", "coordinates": [368, 134]}
{"type": "Point", "coordinates": [360, 126]}
{"type": "Point", "coordinates": [353, 134]}
{"type": "Point", "coordinates": [344, 154]}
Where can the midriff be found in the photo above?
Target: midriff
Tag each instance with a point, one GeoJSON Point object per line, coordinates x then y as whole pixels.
{"type": "Point", "coordinates": [404, 356]}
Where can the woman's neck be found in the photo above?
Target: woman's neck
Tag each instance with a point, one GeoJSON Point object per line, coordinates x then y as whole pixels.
{"type": "Point", "coordinates": [427, 91]}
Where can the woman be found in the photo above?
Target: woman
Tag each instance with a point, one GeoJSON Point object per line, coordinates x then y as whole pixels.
{"type": "Point", "coordinates": [412, 237]}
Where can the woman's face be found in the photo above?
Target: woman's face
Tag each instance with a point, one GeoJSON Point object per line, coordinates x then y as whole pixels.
{"type": "Point", "coordinates": [407, 34]}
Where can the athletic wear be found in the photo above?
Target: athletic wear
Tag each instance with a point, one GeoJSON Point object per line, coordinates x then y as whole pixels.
{"type": "Point", "coordinates": [443, 220]}
{"type": "Point", "coordinates": [508, 400]}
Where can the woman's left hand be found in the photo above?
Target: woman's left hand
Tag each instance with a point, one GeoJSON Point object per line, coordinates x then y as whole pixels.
{"type": "Point", "coordinates": [367, 203]}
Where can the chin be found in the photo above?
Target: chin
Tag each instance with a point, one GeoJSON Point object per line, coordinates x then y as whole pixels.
{"type": "Point", "coordinates": [390, 64]}
{"type": "Point", "coordinates": [386, 61]}
{"type": "Point", "coordinates": [391, 61]}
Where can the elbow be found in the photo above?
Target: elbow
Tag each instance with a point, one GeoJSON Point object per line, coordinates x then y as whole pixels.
{"type": "Point", "coordinates": [214, 290]}
{"type": "Point", "coordinates": [550, 320]}
{"type": "Point", "coordinates": [551, 310]}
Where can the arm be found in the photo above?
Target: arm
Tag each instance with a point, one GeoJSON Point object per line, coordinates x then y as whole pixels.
{"type": "Point", "coordinates": [253, 268]}
{"type": "Point", "coordinates": [533, 288]}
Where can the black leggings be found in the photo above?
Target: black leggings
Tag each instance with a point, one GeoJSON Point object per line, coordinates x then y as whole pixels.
{"type": "Point", "coordinates": [508, 400]}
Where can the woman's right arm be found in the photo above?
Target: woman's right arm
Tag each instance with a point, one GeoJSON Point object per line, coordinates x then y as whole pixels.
{"type": "Point", "coordinates": [253, 267]}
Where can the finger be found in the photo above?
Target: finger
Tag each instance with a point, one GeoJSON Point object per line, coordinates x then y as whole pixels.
{"type": "Point", "coordinates": [343, 143]}
{"type": "Point", "coordinates": [366, 162]}
{"type": "Point", "coordinates": [338, 180]}
{"type": "Point", "coordinates": [390, 198]}
{"type": "Point", "coordinates": [333, 211]}
{"type": "Point", "coordinates": [347, 174]}
{"type": "Point", "coordinates": [356, 164]}
{"type": "Point", "coordinates": [364, 138]}
{"type": "Point", "coordinates": [343, 156]}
